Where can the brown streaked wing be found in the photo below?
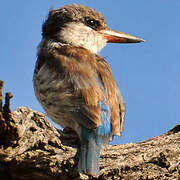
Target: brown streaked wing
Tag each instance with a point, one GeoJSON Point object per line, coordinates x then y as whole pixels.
{"type": "Point", "coordinates": [115, 99]}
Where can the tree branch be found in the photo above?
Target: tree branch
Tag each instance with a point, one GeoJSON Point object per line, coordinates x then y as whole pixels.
{"type": "Point", "coordinates": [30, 148]}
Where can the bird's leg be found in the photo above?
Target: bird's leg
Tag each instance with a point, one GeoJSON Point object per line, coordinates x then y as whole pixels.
{"type": "Point", "coordinates": [70, 138]}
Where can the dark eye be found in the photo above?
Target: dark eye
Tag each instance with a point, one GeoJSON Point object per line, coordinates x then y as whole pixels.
{"type": "Point", "coordinates": [92, 23]}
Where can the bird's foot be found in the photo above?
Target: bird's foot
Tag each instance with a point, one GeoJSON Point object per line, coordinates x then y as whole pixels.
{"type": "Point", "coordinates": [70, 138]}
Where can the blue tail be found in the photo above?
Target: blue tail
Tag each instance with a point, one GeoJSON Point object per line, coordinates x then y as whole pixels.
{"type": "Point", "coordinates": [92, 140]}
{"type": "Point", "coordinates": [90, 152]}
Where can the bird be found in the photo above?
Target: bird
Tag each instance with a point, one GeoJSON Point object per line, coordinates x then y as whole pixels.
{"type": "Point", "coordinates": [74, 84]}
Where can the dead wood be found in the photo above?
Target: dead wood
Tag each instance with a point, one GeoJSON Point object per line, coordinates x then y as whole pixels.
{"type": "Point", "coordinates": [32, 149]}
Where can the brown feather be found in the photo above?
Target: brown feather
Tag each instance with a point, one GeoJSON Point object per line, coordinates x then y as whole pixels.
{"type": "Point", "coordinates": [76, 70]}
{"type": "Point", "coordinates": [114, 97]}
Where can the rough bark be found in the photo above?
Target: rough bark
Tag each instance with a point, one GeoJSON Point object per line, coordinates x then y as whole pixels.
{"type": "Point", "coordinates": [30, 148]}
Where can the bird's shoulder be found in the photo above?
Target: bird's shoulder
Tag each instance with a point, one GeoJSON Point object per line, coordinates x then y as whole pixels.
{"type": "Point", "coordinates": [64, 57]}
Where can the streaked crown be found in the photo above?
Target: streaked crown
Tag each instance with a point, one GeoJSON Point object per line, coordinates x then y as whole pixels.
{"type": "Point", "coordinates": [57, 19]}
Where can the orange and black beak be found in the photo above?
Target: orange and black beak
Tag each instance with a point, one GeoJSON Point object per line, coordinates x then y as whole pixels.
{"type": "Point", "coordinates": [113, 36]}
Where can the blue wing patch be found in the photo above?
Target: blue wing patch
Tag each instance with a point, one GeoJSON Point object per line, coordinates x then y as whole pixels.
{"type": "Point", "coordinates": [105, 127]}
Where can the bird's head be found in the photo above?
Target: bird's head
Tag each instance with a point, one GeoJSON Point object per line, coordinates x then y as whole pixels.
{"type": "Point", "coordinates": [79, 25]}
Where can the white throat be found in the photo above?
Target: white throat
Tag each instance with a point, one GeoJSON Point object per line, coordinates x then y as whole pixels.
{"type": "Point", "coordinates": [78, 34]}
